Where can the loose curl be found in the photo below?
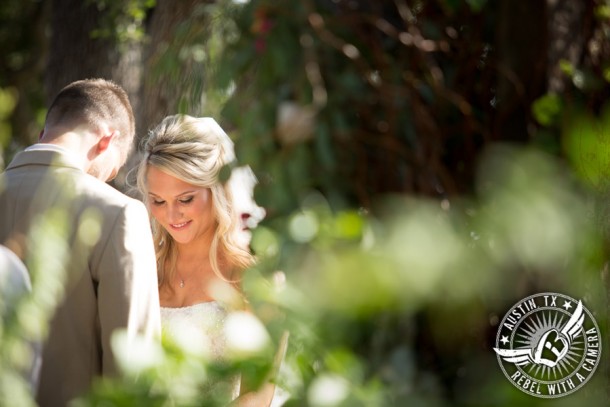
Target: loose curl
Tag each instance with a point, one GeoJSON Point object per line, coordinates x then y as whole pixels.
{"type": "Point", "coordinates": [194, 150]}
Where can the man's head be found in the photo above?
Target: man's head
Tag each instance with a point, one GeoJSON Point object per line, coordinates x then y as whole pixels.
{"type": "Point", "coordinates": [99, 107]}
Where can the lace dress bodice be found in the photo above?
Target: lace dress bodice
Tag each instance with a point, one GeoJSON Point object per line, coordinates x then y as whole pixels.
{"type": "Point", "coordinates": [202, 324]}
{"type": "Point", "coordinates": [201, 328]}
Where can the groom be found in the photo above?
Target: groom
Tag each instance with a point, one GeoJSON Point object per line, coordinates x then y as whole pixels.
{"type": "Point", "coordinates": [109, 271]}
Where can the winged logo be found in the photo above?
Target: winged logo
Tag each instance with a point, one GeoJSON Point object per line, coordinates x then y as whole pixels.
{"type": "Point", "coordinates": [552, 346]}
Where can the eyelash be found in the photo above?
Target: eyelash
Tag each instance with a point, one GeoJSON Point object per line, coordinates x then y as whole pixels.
{"type": "Point", "coordinates": [185, 201]}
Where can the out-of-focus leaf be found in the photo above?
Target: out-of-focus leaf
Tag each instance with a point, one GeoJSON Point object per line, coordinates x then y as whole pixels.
{"type": "Point", "coordinates": [586, 141]}
{"type": "Point", "coordinates": [547, 108]}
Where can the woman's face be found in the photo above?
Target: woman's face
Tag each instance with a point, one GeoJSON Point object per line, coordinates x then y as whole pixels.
{"type": "Point", "coordinates": [184, 210]}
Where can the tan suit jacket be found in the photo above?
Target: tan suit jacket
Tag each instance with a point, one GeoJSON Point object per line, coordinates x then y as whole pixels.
{"type": "Point", "coordinates": [110, 267]}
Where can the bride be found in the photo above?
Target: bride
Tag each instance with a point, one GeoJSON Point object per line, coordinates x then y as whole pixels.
{"type": "Point", "coordinates": [201, 240]}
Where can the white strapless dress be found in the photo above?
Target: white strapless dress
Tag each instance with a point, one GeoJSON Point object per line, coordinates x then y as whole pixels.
{"type": "Point", "coordinates": [203, 323]}
{"type": "Point", "coordinates": [201, 327]}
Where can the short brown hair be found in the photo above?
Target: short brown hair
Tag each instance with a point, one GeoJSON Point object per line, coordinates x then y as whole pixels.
{"type": "Point", "coordinates": [91, 101]}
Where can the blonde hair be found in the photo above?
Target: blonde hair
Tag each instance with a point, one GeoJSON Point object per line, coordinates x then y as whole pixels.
{"type": "Point", "coordinates": [195, 150]}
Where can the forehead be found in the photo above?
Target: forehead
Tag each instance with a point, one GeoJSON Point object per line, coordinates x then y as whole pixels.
{"type": "Point", "coordinates": [163, 184]}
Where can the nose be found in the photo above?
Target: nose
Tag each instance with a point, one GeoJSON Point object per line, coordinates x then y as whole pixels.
{"type": "Point", "coordinates": [174, 214]}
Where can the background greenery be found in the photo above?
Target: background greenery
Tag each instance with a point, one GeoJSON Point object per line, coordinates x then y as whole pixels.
{"type": "Point", "coordinates": [424, 166]}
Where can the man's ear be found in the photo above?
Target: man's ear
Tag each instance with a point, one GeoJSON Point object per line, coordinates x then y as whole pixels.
{"type": "Point", "coordinates": [105, 140]}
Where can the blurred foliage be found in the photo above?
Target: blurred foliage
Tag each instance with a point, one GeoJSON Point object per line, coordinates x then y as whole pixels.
{"type": "Point", "coordinates": [337, 96]}
{"type": "Point", "coordinates": [22, 41]}
{"type": "Point", "coordinates": [7, 104]}
{"type": "Point", "coordinates": [122, 20]}
{"type": "Point", "coordinates": [339, 103]}
{"type": "Point", "coordinates": [24, 321]}
{"type": "Point", "coordinates": [354, 305]}
{"type": "Point", "coordinates": [17, 44]}
{"type": "Point", "coordinates": [188, 59]}
{"type": "Point", "coordinates": [175, 372]}
{"type": "Point", "coordinates": [587, 142]}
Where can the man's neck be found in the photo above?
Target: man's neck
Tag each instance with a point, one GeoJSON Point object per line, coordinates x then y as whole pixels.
{"type": "Point", "coordinates": [75, 143]}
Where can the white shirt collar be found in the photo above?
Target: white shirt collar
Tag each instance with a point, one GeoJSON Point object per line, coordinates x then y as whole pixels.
{"type": "Point", "coordinates": [73, 158]}
{"type": "Point", "coordinates": [48, 147]}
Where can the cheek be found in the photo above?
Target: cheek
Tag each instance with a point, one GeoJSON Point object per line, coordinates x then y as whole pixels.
{"type": "Point", "coordinates": [208, 211]}
{"type": "Point", "coordinates": [197, 211]}
{"type": "Point", "coordinates": [156, 212]}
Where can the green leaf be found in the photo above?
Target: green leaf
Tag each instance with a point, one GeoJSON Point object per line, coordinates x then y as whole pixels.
{"type": "Point", "coordinates": [587, 145]}
{"type": "Point", "coordinates": [476, 5]}
{"type": "Point", "coordinates": [547, 108]}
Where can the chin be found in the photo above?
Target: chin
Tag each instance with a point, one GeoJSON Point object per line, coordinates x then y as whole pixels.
{"type": "Point", "coordinates": [180, 239]}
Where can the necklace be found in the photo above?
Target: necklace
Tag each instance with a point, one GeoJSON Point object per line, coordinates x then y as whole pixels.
{"type": "Point", "coordinates": [192, 272]}
{"type": "Point", "coordinates": [181, 279]}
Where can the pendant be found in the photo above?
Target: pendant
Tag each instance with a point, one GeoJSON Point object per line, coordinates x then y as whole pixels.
{"type": "Point", "coordinates": [181, 283]}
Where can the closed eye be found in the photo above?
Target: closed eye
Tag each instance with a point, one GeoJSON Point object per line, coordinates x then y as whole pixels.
{"type": "Point", "coordinates": [157, 202]}
{"type": "Point", "coordinates": [186, 200]}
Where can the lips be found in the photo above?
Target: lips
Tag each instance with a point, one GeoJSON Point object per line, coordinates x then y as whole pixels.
{"type": "Point", "coordinates": [178, 226]}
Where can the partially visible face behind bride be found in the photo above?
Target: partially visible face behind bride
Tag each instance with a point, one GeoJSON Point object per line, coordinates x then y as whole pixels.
{"type": "Point", "coordinates": [241, 184]}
